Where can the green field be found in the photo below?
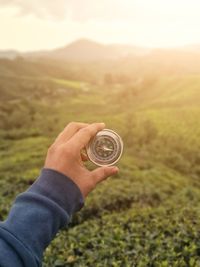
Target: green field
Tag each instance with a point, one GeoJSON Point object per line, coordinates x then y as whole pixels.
{"type": "Point", "coordinates": [148, 214]}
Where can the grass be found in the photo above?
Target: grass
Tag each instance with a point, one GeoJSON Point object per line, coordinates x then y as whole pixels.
{"type": "Point", "coordinates": [72, 84]}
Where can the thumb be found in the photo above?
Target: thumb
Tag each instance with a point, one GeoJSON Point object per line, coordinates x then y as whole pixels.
{"type": "Point", "coordinates": [102, 173]}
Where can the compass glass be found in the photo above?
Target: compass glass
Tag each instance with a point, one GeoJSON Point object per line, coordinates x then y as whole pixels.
{"type": "Point", "coordinates": [105, 148]}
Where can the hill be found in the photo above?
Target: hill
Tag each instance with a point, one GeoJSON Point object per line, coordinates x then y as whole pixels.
{"type": "Point", "coordinates": [85, 50]}
{"type": "Point", "coordinates": [81, 51]}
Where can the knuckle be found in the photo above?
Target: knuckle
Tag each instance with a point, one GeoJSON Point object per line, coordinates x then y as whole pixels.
{"type": "Point", "coordinates": [72, 124]}
{"type": "Point", "coordinates": [68, 150]}
{"type": "Point", "coordinates": [87, 131]}
{"type": "Point", "coordinates": [104, 172]}
{"type": "Point", "coordinates": [51, 149]}
{"type": "Point", "coordinates": [95, 125]}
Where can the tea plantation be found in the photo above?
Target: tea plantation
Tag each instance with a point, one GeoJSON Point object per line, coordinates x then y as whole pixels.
{"type": "Point", "coordinates": [146, 216]}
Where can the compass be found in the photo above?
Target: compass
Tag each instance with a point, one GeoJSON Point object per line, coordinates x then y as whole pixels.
{"type": "Point", "coordinates": [105, 148]}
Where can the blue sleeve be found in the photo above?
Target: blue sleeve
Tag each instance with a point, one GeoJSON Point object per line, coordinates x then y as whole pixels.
{"type": "Point", "coordinates": [35, 218]}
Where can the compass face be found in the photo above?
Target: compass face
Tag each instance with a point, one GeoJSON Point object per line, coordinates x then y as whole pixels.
{"type": "Point", "coordinates": [105, 148]}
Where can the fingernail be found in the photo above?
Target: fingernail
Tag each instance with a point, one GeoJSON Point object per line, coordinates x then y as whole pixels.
{"type": "Point", "coordinates": [115, 169]}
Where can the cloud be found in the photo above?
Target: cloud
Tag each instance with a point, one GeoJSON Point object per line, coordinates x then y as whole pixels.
{"type": "Point", "coordinates": [81, 11]}
{"type": "Point", "coordinates": [78, 10]}
{"type": "Point", "coordinates": [44, 9]}
{"type": "Point", "coordinates": [106, 10]}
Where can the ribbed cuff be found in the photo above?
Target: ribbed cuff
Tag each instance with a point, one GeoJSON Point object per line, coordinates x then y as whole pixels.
{"type": "Point", "coordinates": [59, 188]}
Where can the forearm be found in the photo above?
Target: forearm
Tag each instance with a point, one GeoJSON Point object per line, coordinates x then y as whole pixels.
{"type": "Point", "coordinates": [36, 217]}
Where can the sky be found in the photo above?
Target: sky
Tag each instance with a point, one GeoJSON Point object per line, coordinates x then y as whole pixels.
{"type": "Point", "coordinates": [28, 25]}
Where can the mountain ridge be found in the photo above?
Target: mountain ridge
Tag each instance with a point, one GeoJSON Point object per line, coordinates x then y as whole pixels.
{"type": "Point", "coordinates": [86, 50]}
{"type": "Point", "coordinates": [81, 50]}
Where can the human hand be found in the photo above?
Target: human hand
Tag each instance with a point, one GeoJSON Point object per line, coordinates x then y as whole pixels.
{"type": "Point", "coordinates": [65, 156]}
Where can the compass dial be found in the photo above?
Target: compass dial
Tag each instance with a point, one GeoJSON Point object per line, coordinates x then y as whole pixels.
{"type": "Point", "coordinates": [105, 148]}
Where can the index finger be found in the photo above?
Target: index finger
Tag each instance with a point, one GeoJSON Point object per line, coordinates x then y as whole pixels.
{"type": "Point", "coordinates": [83, 136]}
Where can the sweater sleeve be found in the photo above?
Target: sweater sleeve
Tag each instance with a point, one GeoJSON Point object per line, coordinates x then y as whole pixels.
{"type": "Point", "coordinates": [35, 218]}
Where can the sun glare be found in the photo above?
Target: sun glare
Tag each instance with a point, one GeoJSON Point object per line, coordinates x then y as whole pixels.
{"type": "Point", "coordinates": [155, 23]}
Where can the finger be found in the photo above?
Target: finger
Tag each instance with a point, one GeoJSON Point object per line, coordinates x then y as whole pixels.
{"type": "Point", "coordinates": [84, 156]}
{"type": "Point", "coordinates": [82, 137]}
{"type": "Point", "coordinates": [102, 173]}
{"type": "Point", "coordinates": [69, 131]}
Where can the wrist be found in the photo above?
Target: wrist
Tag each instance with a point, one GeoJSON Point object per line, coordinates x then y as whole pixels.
{"type": "Point", "coordinates": [60, 189]}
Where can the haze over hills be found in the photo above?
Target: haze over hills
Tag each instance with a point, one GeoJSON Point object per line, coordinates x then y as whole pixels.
{"type": "Point", "coordinates": [85, 50]}
{"type": "Point", "coordinates": [82, 50]}
{"type": "Point", "coordinates": [191, 48]}
{"type": "Point", "coordinates": [10, 54]}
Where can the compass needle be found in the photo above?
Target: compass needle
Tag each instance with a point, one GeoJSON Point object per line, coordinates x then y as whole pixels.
{"type": "Point", "coordinates": [107, 149]}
